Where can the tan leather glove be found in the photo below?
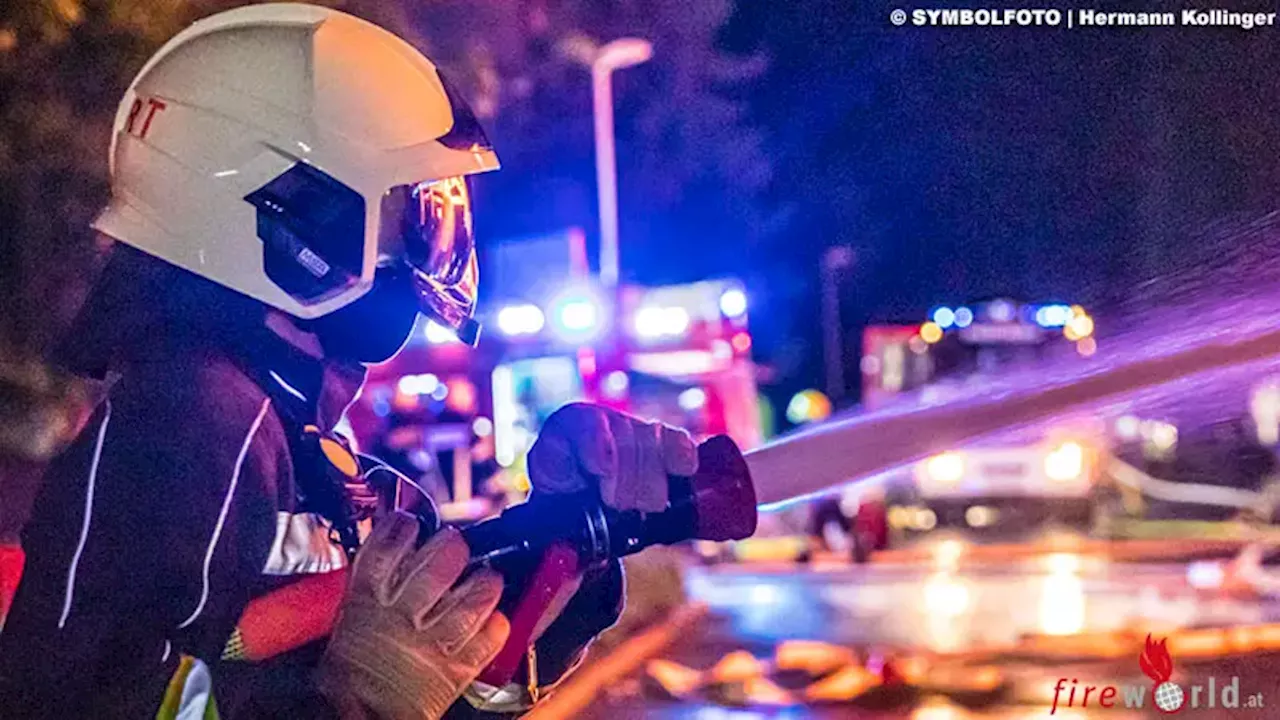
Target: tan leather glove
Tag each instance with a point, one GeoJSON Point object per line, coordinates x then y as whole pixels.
{"type": "Point", "coordinates": [407, 643]}
{"type": "Point", "coordinates": [582, 447]}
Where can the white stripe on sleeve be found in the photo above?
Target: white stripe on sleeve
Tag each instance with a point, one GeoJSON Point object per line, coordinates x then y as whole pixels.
{"type": "Point", "coordinates": [222, 515]}
{"type": "Point", "coordinates": [88, 518]}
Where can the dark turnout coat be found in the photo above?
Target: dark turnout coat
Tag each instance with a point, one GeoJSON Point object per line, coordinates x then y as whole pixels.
{"type": "Point", "coordinates": [179, 554]}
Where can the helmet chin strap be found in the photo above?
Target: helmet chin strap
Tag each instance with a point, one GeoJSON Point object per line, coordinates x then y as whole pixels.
{"type": "Point", "coordinates": [286, 329]}
{"type": "Point", "coordinates": [372, 329]}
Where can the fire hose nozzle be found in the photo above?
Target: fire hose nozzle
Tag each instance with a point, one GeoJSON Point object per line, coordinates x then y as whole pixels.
{"type": "Point", "coordinates": [544, 543]}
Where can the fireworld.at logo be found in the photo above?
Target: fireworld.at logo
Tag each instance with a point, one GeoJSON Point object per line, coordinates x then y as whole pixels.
{"type": "Point", "coordinates": [1166, 696]}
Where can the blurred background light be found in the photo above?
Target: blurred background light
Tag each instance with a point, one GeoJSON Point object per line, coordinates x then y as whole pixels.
{"type": "Point", "coordinates": [1204, 575]}
{"type": "Point", "coordinates": [615, 384]}
{"type": "Point", "coordinates": [520, 320]}
{"type": "Point", "coordinates": [733, 303]}
{"type": "Point", "coordinates": [423, 384]}
{"type": "Point", "coordinates": [945, 317]}
{"type": "Point", "coordinates": [930, 332]}
{"type": "Point", "coordinates": [1066, 462]}
{"type": "Point", "coordinates": [1128, 427]}
{"type": "Point", "coordinates": [1078, 327]}
{"type": "Point", "coordinates": [980, 516]}
{"type": "Point", "coordinates": [808, 406]}
{"type": "Point", "coordinates": [1001, 311]}
{"type": "Point", "coordinates": [946, 596]}
{"type": "Point", "coordinates": [1062, 597]}
{"type": "Point", "coordinates": [1163, 435]}
{"type": "Point", "coordinates": [946, 468]}
{"type": "Point", "coordinates": [692, 399]}
{"type": "Point", "coordinates": [656, 322]}
{"type": "Point", "coordinates": [438, 334]}
{"type": "Point", "coordinates": [947, 553]}
{"type": "Point", "coordinates": [1053, 315]}
{"type": "Point", "coordinates": [577, 315]}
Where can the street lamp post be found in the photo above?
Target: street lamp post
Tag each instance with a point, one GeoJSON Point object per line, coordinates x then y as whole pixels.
{"type": "Point", "coordinates": [835, 261]}
{"type": "Point", "coordinates": [621, 53]}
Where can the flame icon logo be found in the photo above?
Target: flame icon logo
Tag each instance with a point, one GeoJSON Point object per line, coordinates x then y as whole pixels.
{"type": "Point", "coordinates": [1156, 662]}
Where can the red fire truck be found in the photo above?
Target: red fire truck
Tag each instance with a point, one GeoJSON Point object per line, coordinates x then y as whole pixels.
{"type": "Point", "coordinates": [680, 354]}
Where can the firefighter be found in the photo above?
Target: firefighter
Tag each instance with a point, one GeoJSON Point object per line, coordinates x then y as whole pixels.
{"type": "Point", "coordinates": [290, 190]}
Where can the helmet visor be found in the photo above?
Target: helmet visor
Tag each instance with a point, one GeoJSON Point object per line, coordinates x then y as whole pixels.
{"type": "Point", "coordinates": [427, 228]}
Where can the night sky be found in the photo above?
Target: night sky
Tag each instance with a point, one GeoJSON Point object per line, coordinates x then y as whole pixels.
{"type": "Point", "coordinates": [958, 163]}
{"type": "Point", "coordinates": [963, 163]}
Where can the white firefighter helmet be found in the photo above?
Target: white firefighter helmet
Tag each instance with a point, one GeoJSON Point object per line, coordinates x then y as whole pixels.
{"type": "Point", "coordinates": [289, 152]}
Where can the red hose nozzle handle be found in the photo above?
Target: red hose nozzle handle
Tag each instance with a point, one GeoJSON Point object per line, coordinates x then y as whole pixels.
{"type": "Point", "coordinates": [722, 494]}
{"type": "Point", "coordinates": [717, 503]}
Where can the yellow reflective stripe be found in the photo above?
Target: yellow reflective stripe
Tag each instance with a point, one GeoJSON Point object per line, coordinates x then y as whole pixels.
{"type": "Point", "coordinates": [172, 703]}
{"type": "Point", "coordinates": [234, 649]}
{"type": "Point", "coordinates": [173, 694]}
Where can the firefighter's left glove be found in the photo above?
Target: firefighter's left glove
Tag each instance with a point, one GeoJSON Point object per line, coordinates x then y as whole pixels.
{"type": "Point", "coordinates": [407, 641]}
{"type": "Point", "coordinates": [624, 460]}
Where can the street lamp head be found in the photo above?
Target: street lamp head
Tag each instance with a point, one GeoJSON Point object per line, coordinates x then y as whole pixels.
{"type": "Point", "coordinates": [621, 53]}
{"type": "Point", "coordinates": [579, 48]}
{"type": "Point", "coordinates": [837, 257]}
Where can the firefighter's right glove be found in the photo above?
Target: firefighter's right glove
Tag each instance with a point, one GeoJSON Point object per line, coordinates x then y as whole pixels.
{"type": "Point", "coordinates": [407, 642]}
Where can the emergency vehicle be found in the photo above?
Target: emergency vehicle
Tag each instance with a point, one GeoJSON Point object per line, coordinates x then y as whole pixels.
{"type": "Point", "coordinates": [679, 354]}
{"type": "Point", "coordinates": [965, 350]}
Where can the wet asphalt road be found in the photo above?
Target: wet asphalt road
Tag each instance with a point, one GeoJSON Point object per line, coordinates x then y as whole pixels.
{"type": "Point", "coordinates": [947, 606]}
